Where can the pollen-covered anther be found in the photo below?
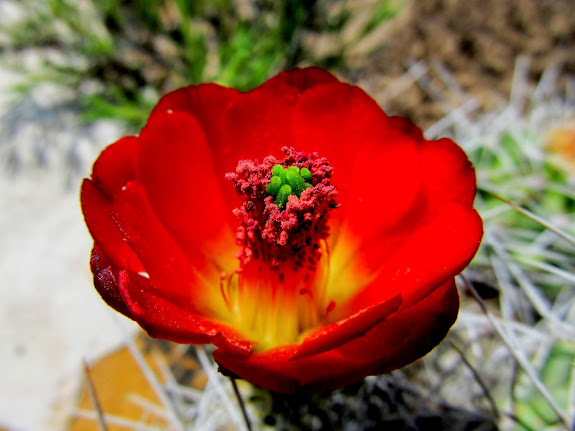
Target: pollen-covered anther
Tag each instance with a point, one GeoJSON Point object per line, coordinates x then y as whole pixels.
{"type": "Point", "coordinates": [285, 209]}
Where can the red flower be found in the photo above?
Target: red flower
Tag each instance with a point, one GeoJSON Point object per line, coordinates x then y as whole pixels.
{"type": "Point", "coordinates": [341, 267]}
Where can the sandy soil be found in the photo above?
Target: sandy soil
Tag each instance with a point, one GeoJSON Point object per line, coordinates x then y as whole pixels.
{"type": "Point", "coordinates": [50, 315]}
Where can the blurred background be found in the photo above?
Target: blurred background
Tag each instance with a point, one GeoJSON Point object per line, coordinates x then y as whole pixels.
{"type": "Point", "coordinates": [498, 77]}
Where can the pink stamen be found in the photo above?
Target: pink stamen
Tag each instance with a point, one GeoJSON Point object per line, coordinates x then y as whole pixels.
{"type": "Point", "coordinates": [277, 235]}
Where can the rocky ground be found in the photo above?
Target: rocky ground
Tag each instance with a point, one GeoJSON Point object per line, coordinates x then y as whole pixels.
{"type": "Point", "coordinates": [474, 44]}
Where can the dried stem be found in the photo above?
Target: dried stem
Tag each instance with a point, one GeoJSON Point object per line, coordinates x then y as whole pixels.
{"type": "Point", "coordinates": [241, 404]}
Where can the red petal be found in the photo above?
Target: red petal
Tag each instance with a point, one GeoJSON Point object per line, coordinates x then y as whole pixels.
{"type": "Point", "coordinates": [116, 166]}
{"type": "Point", "coordinates": [336, 334]}
{"type": "Point", "coordinates": [449, 175]}
{"type": "Point", "coordinates": [170, 321]}
{"type": "Point", "coordinates": [176, 167]}
{"type": "Point", "coordinates": [376, 165]}
{"type": "Point", "coordinates": [407, 127]}
{"type": "Point", "coordinates": [207, 102]}
{"type": "Point", "coordinates": [176, 277]}
{"type": "Point", "coordinates": [242, 126]}
{"type": "Point", "coordinates": [301, 79]}
{"type": "Point", "coordinates": [293, 82]}
{"type": "Point", "coordinates": [274, 371]}
{"type": "Point", "coordinates": [112, 170]}
{"type": "Point", "coordinates": [106, 282]}
{"type": "Point", "coordinates": [426, 257]}
{"type": "Point", "coordinates": [400, 339]}
{"type": "Point", "coordinates": [97, 210]}
{"type": "Point", "coordinates": [258, 123]}
{"type": "Point", "coordinates": [408, 334]}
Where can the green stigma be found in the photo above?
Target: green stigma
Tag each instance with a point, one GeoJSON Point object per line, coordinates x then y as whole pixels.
{"type": "Point", "coordinates": [285, 182]}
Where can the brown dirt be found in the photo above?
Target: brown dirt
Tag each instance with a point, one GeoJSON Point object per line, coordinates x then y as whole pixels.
{"type": "Point", "coordinates": [477, 40]}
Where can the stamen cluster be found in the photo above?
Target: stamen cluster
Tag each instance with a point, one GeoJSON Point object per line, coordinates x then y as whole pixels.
{"type": "Point", "coordinates": [290, 227]}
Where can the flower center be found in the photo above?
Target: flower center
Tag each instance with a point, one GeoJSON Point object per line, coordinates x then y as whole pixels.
{"type": "Point", "coordinates": [279, 291]}
{"type": "Point", "coordinates": [286, 182]}
{"type": "Point", "coordinates": [285, 210]}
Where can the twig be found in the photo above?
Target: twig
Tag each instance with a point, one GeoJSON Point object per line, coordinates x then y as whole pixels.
{"type": "Point", "coordinates": [94, 397]}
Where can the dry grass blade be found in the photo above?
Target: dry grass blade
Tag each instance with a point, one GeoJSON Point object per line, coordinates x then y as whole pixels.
{"type": "Point", "coordinates": [400, 84]}
{"type": "Point", "coordinates": [542, 222]}
{"type": "Point", "coordinates": [571, 396]}
{"type": "Point", "coordinates": [220, 390]}
{"type": "Point", "coordinates": [155, 384]}
{"type": "Point", "coordinates": [456, 115]}
{"type": "Point", "coordinates": [471, 319]}
{"type": "Point", "coordinates": [478, 379]}
{"type": "Point", "coordinates": [519, 357]}
{"type": "Point", "coordinates": [560, 329]}
{"type": "Point", "coordinates": [148, 406]}
{"type": "Point", "coordinates": [568, 276]}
